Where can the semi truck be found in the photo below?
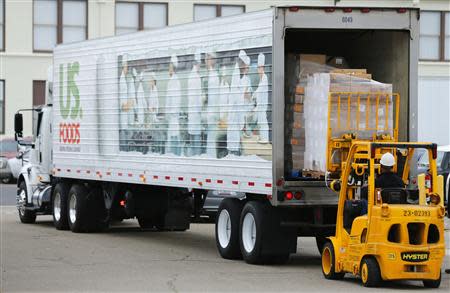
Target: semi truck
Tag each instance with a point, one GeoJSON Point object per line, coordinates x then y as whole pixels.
{"type": "Point", "coordinates": [144, 125]}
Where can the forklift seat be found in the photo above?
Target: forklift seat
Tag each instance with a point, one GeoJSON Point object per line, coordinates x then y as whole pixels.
{"type": "Point", "coordinates": [394, 195]}
{"type": "Point", "coordinates": [352, 209]}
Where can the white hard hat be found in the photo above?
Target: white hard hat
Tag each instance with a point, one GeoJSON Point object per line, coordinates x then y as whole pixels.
{"type": "Point", "coordinates": [243, 56]}
{"type": "Point", "coordinates": [261, 59]}
{"type": "Point", "coordinates": [387, 160]}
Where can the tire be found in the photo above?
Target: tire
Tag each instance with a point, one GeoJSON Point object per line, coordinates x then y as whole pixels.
{"type": "Point", "coordinates": [227, 228]}
{"type": "Point", "coordinates": [257, 231]}
{"type": "Point", "coordinates": [8, 180]}
{"type": "Point", "coordinates": [77, 209]}
{"type": "Point", "coordinates": [59, 206]}
{"type": "Point", "coordinates": [145, 223]}
{"type": "Point", "coordinates": [26, 216]}
{"type": "Point", "coordinates": [370, 272]}
{"type": "Point", "coordinates": [320, 242]}
{"type": "Point", "coordinates": [329, 263]}
{"type": "Point", "coordinates": [433, 283]}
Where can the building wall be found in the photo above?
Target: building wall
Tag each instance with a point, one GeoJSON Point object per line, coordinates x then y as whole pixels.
{"type": "Point", "coordinates": [19, 66]}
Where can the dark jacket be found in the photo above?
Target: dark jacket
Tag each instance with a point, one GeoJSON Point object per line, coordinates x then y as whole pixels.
{"type": "Point", "coordinates": [389, 180]}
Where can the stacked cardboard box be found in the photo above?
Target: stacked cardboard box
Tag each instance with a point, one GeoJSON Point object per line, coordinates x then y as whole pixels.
{"type": "Point", "coordinates": [307, 107]}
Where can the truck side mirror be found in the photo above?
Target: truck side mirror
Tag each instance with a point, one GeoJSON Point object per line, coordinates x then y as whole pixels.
{"type": "Point", "coordinates": [18, 125]}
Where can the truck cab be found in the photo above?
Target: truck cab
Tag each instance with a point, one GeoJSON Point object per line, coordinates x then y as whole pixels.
{"type": "Point", "coordinates": [34, 189]}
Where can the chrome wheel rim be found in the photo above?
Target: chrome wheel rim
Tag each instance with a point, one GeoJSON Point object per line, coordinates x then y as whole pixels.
{"type": "Point", "coordinates": [224, 228]}
{"type": "Point", "coordinates": [72, 208]}
{"type": "Point", "coordinates": [249, 232]}
{"type": "Point", "coordinates": [21, 202]}
{"type": "Point", "coordinates": [57, 206]}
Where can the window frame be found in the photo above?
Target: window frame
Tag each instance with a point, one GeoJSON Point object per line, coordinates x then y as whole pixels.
{"type": "Point", "coordinates": [141, 15]}
{"type": "Point", "coordinates": [2, 128]}
{"type": "Point", "coordinates": [441, 38]}
{"type": "Point", "coordinates": [60, 25]}
{"type": "Point", "coordinates": [3, 48]}
{"type": "Point", "coordinates": [218, 8]}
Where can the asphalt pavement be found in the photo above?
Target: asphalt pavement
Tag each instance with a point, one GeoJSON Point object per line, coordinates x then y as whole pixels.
{"type": "Point", "coordinates": [37, 257]}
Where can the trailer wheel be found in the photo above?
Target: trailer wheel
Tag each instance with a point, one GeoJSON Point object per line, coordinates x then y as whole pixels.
{"type": "Point", "coordinates": [329, 263]}
{"type": "Point", "coordinates": [78, 209]}
{"type": "Point", "coordinates": [145, 223]}
{"type": "Point", "coordinates": [432, 283]}
{"type": "Point", "coordinates": [26, 216]}
{"type": "Point", "coordinates": [320, 242]}
{"type": "Point", "coordinates": [227, 228]}
{"type": "Point", "coordinates": [59, 200]}
{"type": "Point", "coordinates": [370, 272]}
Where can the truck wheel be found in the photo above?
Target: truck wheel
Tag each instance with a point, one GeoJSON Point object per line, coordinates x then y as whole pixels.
{"type": "Point", "coordinates": [320, 242]}
{"type": "Point", "coordinates": [329, 263]}
{"type": "Point", "coordinates": [227, 228]}
{"type": "Point", "coordinates": [26, 216]}
{"type": "Point", "coordinates": [262, 240]}
{"type": "Point", "coordinates": [60, 217]}
{"type": "Point", "coordinates": [370, 272]}
{"type": "Point", "coordinates": [432, 283]}
{"type": "Point", "coordinates": [78, 209]}
{"type": "Point", "coordinates": [145, 223]}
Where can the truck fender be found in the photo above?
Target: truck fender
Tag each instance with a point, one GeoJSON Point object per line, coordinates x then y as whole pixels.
{"type": "Point", "coordinates": [23, 177]}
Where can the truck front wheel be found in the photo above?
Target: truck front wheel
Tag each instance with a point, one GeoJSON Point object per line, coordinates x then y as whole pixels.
{"type": "Point", "coordinates": [26, 216]}
{"type": "Point", "coordinates": [60, 217]}
{"type": "Point", "coordinates": [227, 228]}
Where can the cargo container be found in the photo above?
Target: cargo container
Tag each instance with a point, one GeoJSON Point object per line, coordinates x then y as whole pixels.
{"type": "Point", "coordinates": [143, 125]}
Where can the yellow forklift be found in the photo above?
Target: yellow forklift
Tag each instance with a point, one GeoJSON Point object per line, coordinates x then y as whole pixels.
{"type": "Point", "coordinates": [383, 234]}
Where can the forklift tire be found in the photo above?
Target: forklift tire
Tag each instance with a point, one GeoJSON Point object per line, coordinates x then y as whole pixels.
{"type": "Point", "coordinates": [227, 228]}
{"type": "Point", "coordinates": [433, 283]}
{"type": "Point", "coordinates": [59, 206]}
{"type": "Point", "coordinates": [370, 272]}
{"type": "Point", "coordinates": [329, 263]}
{"type": "Point", "coordinates": [77, 209]}
{"type": "Point", "coordinates": [26, 216]}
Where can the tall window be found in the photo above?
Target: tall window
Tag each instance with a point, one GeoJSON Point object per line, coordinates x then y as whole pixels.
{"type": "Point", "coordinates": [38, 92]}
{"type": "Point", "coordinates": [58, 21]}
{"type": "Point", "coordinates": [134, 16]}
{"type": "Point", "coordinates": [2, 106]}
{"type": "Point", "coordinates": [2, 25]}
{"type": "Point", "coordinates": [435, 35]}
{"type": "Point", "coordinates": [207, 11]}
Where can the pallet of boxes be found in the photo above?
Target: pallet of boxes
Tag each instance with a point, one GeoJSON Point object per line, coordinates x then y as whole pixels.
{"type": "Point", "coordinates": [308, 105]}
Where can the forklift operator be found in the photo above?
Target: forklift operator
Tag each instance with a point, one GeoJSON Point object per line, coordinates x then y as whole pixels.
{"type": "Point", "coordinates": [387, 178]}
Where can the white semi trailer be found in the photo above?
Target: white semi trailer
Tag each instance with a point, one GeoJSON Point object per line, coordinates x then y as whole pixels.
{"type": "Point", "coordinates": [143, 125]}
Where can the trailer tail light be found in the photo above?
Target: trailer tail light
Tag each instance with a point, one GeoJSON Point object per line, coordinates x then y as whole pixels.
{"type": "Point", "coordinates": [329, 9]}
{"type": "Point", "coordinates": [401, 10]}
{"type": "Point", "coordinates": [294, 9]}
{"type": "Point", "coordinates": [365, 10]}
{"type": "Point", "coordinates": [347, 10]}
{"type": "Point", "coordinates": [298, 195]}
{"type": "Point", "coordinates": [289, 195]}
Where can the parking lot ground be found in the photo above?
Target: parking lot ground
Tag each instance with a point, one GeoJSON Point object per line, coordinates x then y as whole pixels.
{"type": "Point", "coordinates": [37, 257]}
